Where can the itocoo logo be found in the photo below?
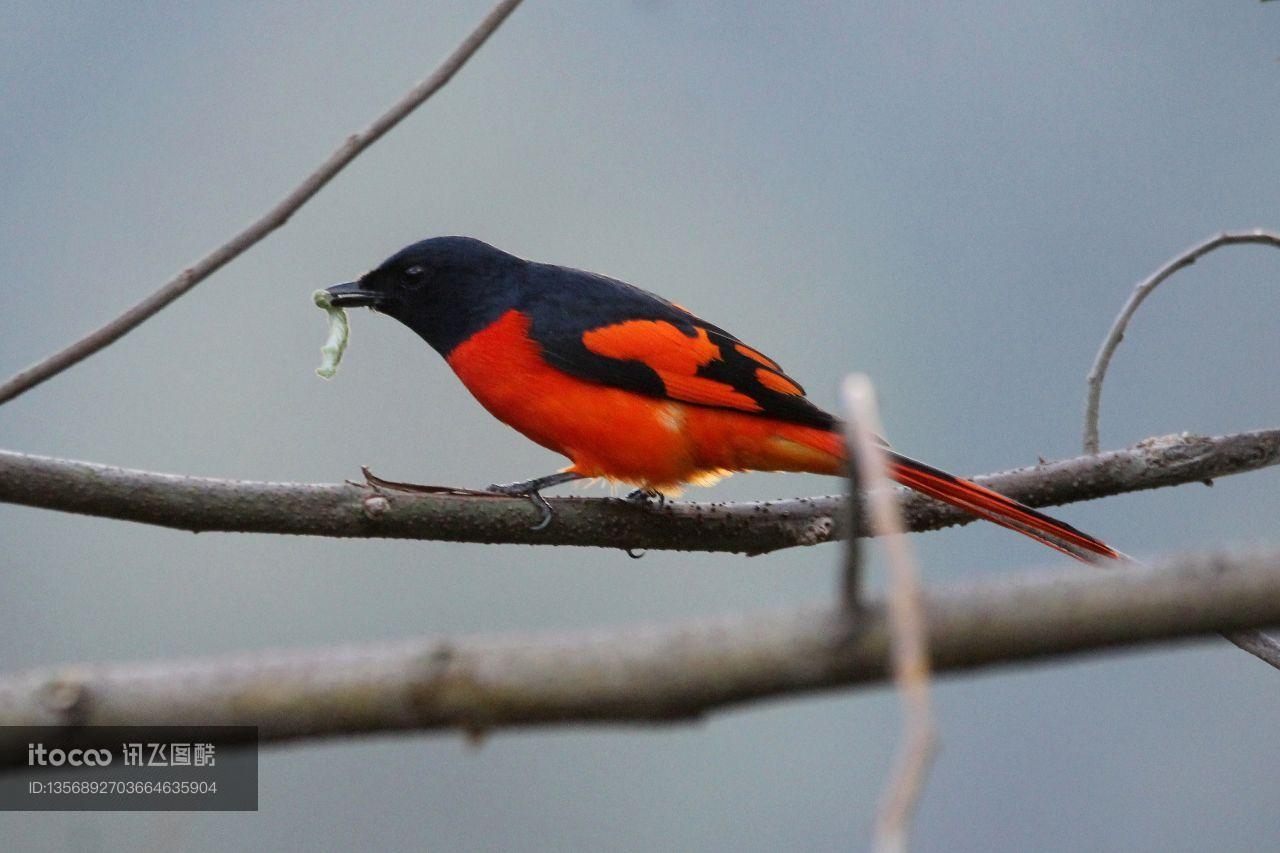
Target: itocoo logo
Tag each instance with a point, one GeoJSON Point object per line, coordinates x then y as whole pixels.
{"type": "Point", "coordinates": [38, 756]}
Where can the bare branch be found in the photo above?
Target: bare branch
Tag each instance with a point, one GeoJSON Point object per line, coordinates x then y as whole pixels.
{"type": "Point", "coordinates": [1103, 359]}
{"type": "Point", "coordinates": [268, 222]}
{"type": "Point", "coordinates": [343, 510]}
{"type": "Point", "coordinates": [908, 643]}
{"type": "Point", "coordinates": [1256, 642]}
{"type": "Point", "coordinates": [646, 674]}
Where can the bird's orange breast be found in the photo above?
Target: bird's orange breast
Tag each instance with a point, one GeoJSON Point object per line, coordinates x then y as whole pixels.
{"type": "Point", "coordinates": [619, 434]}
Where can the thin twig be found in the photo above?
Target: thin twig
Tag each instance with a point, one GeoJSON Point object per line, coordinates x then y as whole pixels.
{"type": "Point", "coordinates": [1102, 360]}
{"type": "Point", "coordinates": [343, 510]}
{"type": "Point", "coordinates": [270, 221]}
{"type": "Point", "coordinates": [851, 574]}
{"type": "Point", "coordinates": [907, 635]}
{"type": "Point", "coordinates": [644, 674]}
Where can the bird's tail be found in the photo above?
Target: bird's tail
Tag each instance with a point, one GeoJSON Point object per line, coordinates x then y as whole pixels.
{"type": "Point", "coordinates": [993, 506]}
{"type": "Point", "coordinates": [957, 491]}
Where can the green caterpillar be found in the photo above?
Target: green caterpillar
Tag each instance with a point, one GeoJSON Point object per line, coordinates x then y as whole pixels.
{"type": "Point", "coordinates": [336, 344]}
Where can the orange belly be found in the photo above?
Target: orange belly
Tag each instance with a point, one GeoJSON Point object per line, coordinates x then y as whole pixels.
{"type": "Point", "coordinates": [608, 432]}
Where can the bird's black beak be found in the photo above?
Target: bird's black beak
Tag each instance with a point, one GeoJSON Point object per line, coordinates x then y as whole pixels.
{"type": "Point", "coordinates": [351, 295]}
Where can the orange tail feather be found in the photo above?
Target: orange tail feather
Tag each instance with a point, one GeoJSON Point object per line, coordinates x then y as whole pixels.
{"type": "Point", "coordinates": [995, 507]}
{"type": "Point", "coordinates": [969, 496]}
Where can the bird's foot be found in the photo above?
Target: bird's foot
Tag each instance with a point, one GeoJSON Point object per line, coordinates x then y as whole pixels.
{"type": "Point", "coordinates": [531, 489]}
{"type": "Point", "coordinates": [515, 490]}
{"type": "Point", "coordinates": [647, 498]}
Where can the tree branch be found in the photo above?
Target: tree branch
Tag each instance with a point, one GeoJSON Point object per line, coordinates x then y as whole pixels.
{"type": "Point", "coordinates": [648, 674]}
{"type": "Point", "coordinates": [345, 510]}
{"type": "Point", "coordinates": [268, 222]}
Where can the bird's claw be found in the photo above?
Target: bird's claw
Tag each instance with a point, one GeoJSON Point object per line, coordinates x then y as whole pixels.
{"type": "Point", "coordinates": [521, 490]}
{"type": "Point", "coordinates": [647, 498]}
{"type": "Point", "coordinates": [530, 489]}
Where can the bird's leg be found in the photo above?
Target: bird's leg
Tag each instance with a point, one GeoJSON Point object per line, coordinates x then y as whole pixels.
{"type": "Point", "coordinates": [647, 497]}
{"type": "Point", "coordinates": [531, 489]}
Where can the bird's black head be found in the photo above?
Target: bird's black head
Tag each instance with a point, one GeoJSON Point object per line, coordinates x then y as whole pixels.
{"type": "Point", "coordinates": [444, 288]}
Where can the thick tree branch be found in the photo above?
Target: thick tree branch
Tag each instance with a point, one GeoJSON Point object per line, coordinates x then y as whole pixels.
{"type": "Point", "coordinates": [344, 510]}
{"type": "Point", "coordinates": [268, 222]}
{"type": "Point", "coordinates": [647, 674]}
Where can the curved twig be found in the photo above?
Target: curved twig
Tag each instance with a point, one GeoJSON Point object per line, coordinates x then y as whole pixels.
{"type": "Point", "coordinates": [346, 510]}
{"type": "Point", "coordinates": [268, 222]}
{"type": "Point", "coordinates": [652, 674]}
{"type": "Point", "coordinates": [1102, 360]}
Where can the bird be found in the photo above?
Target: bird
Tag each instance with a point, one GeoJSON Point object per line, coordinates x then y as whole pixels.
{"type": "Point", "coordinates": [631, 387]}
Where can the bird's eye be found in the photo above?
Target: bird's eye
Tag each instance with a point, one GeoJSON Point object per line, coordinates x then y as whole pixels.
{"type": "Point", "coordinates": [414, 277]}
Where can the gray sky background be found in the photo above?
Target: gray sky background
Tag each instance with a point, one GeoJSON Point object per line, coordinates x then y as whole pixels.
{"type": "Point", "coordinates": [954, 197]}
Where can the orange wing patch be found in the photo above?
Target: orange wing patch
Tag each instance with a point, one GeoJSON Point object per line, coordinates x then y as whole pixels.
{"type": "Point", "coordinates": [707, 392]}
{"type": "Point", "coordinates": [657, 343]}
{"type": "Point", "coordinates": [757, 357]}
{"type": "Point", "coordinates": [674, 356]}
{"type": "Point", "coordinates": [778, 382]}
